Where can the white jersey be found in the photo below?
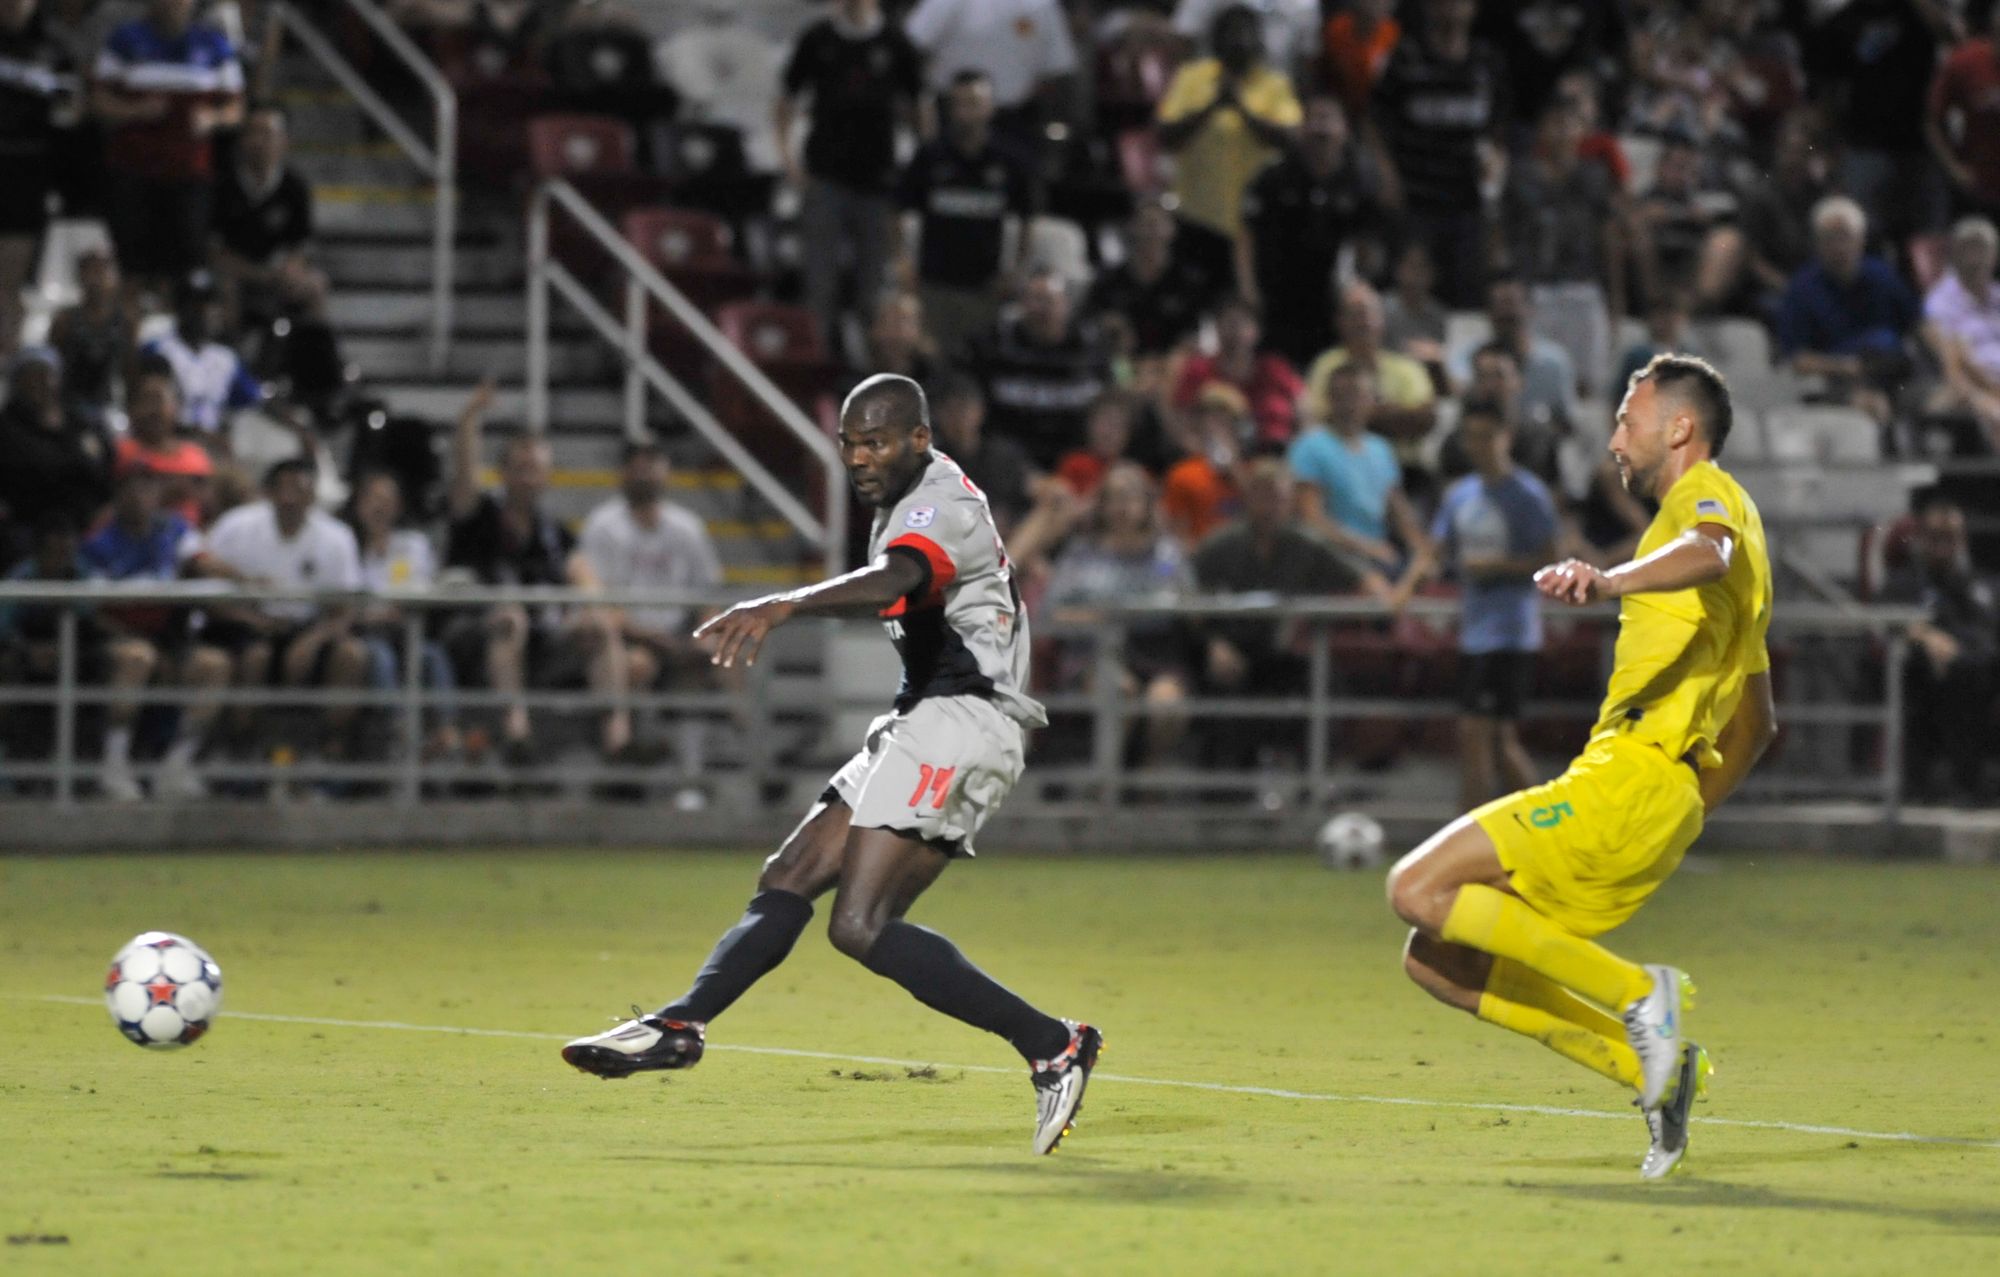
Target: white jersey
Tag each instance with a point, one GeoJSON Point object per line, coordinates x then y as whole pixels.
{"type": "Point", "coordinates": [323, 555]}
{"type": "Point", "coordinates": [963, 631]}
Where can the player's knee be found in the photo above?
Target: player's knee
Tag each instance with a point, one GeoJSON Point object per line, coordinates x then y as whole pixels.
{"type": "Point", "coordinates": [1413, 897]}
{"type": "Point", "coordinates": [853, 929]}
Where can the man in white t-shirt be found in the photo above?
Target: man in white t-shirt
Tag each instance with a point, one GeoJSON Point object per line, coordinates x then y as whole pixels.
{"type": "Point", "coordinates": [639, 540]}
{"type": "Point", "coordinates": [284, 540]}
{"type": "Point", "coordinates": [214, 383]}
{"type": "Point", "coordinates": [1020, 45]}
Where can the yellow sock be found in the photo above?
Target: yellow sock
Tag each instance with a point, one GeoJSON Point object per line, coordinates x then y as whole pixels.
{"type": "Point", "coordinates": [1518, 999]}
{"type": "Point", "coordinates": [1497, 923]}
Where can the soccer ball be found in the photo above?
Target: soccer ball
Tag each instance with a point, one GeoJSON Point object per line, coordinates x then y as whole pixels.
{"type": "Point", "coordinates": [1351, 840]}
{"type": "Point", "coordinates": [163, 990]}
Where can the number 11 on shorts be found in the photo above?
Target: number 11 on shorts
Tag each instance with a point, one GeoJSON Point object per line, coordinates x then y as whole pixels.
{"type": "Point", "coordinates": [937, 781]}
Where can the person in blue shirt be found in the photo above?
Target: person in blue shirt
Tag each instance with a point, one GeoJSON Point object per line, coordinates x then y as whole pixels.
{"type": "Point", "coordinates": [1845, 316]}
{"type": "Point", "coordinates": [1349, 484]}
{"type": "Point", "coordinates": [147, 643]}
{"type": "Point", "coordinates": [1493, 528]}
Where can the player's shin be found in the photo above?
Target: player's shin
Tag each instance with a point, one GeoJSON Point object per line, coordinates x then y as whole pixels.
{"type": "Point", "coordinates": [936, 974]}
{"type": "Point", "coordinates": [1506, 927]}
{"type": "Point", "coordinates": [1519, 1000]}
{"type": "Point", "coordinates": [745, 954]}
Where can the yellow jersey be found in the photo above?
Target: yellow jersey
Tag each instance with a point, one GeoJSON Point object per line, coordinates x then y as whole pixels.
{"type": "Point", "coordinates": [1215, 167]}
{"type": "Point", "coordinates": [1683, 656]}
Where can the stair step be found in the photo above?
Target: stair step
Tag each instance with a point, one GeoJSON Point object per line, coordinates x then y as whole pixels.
{"type": "Point", "coordinates": [398, 358]}
{"type": "Point", "coordinates": [403, 210]}
{"type": "Point", "coordinates": [492, 314]}
{"type": "Point", "coordinates": [571, 408]}
{"type": "Point", "coordinates": [356, 164]}
{"type": "Point", "coordinates": [407, 264]}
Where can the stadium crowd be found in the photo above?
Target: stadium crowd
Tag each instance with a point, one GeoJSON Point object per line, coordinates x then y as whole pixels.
{"type": "Point", "coordinates": [1288, 296]}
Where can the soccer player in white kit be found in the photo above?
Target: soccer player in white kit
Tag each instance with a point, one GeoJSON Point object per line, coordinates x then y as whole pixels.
{"type": "Point", "coordinates": [928, 775]}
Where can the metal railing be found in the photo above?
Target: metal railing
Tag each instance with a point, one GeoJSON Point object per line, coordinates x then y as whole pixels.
{"type": "Point", "coordinates": [1089, 787]}
{"type": "Point", "coordinates": [437, 159]}
{"type": "Point", "coordinates": [643, 284]}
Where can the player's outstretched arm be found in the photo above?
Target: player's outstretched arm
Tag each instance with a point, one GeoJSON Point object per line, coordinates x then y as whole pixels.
{"type": "Point", "coordinates": [1694, 558]}
{"type": "Point", "coordinates": [1745, 737]}
{"type": "Point", "coordinates": [739, 631]}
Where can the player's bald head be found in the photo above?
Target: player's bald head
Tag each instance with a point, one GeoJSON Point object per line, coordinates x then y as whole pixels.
{"type": "Point", "coordinates": [886, 399]}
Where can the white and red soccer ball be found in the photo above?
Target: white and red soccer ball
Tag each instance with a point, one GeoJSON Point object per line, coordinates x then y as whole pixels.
{"type": "Point", "coordinates": [163, 990]}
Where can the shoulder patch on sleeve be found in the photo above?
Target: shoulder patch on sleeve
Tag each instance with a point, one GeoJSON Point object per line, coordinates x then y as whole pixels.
{"type": "Point", "coordinates": [920, 517]}
{"type": "Point", "coordinates": [1709, 505]}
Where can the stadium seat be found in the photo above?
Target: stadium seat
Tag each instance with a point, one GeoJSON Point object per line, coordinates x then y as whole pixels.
{"type": "Point", "coordinates": [576, 146]}
{"type": "Point", "coordinates": [1822, 432]}
{"type": "Point", "coordinates": [784, 342]}
{"type": "Point", "coordinates": [694, 250]}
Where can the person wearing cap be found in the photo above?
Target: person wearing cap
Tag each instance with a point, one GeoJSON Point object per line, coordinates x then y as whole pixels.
{"type": "Point", "coordinates": [51, 462]}
{"type": "Point", "coordinates": [1199, 493]}
{"type": "Point", "coordinates": [153, 411]}
{"type": "Point", "coordinates": [144, 644]}
{"type": "Point", "coordinates": [213, 381]}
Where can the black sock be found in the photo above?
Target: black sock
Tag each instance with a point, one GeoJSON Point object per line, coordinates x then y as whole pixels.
{"type": "Point", "coordinates": [936, 974]}
{"type": "Point", "coordinates": [746, 952]}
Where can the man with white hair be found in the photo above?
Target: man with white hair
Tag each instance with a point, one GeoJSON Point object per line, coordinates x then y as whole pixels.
{"type": "Point", "coordinates": [1845, 315]}
{"type": "Point", "coordinates": [1962, 323]}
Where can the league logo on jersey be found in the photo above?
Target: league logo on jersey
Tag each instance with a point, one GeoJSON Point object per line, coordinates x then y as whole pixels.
{"type": "Point", "coordinates": [1708, 505]}
{"type": "Point", "coordinates": [921, 517]}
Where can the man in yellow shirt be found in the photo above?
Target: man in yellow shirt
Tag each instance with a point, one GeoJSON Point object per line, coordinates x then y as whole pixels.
{"type": "Point", "coordinates": [1225, 117]}
{"type": "Point", "coordinates": [1504, 900]}
{"type": "Point", "coordinates": [1405, 401]}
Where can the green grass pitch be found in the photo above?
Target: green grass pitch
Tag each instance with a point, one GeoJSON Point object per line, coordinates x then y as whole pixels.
{"type": "Point", "coordinates": [1837, 994]}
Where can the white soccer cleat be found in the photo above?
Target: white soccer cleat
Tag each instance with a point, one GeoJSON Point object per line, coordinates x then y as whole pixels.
{"type": "Point", "coordinates": [179, 782]}
{"type": "Point", "coordinates": [1668, 1124]}
{"type": "Point", "coordinates": [119, 785]}
{"type": "Point", "coordinates": [1653, 1027]}
{"type": "Point", "coordinates": [639, 1044]}
{"type": "Point", "coordinates": [1059, 1085]}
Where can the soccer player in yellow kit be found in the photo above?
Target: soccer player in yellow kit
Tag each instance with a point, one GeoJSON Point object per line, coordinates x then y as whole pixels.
{"type": "Point", "coordinates": [1504, 901]}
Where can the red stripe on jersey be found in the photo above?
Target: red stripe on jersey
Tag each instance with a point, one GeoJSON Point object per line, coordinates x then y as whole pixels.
{"type": "Point", "coordinates": [943, 570]}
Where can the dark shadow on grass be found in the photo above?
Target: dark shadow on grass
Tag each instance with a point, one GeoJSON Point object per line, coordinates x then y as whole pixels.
{"type": "Point", "coordinates": [1063, 1175]}
{"type": "Point", "coordinates": [1711, 1195]}
{"type": "Point", "coordinates": [231, 1176]}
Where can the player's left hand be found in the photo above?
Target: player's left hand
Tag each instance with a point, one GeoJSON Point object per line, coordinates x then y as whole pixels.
{"type": "Point", "coordinates": [1575, 582]}
{"type": "Point", "coordinates": [740, 631]}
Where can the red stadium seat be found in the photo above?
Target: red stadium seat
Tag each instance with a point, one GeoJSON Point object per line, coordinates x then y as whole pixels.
{"type": "Point", "coordinates": [575, 146]}
{"type": "Point", "coordinates": [784, 342]}
{"type": "Point", "coordinates": [694, 250]}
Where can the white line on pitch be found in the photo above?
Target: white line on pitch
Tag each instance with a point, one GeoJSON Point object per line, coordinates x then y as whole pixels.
{"type": "Point", "coordinates": [1269, 1092]}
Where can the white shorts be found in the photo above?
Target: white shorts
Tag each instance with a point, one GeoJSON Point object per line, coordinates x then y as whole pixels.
{"type": "Point", "coordinates": [934, 772]}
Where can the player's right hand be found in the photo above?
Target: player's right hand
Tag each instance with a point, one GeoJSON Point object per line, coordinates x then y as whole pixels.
{"type": "Point", "coordinates": [1572, 581]}
{"type": "Point", "coordinates": [740, 631]}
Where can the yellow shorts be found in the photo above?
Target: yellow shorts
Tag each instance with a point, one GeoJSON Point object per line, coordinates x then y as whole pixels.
{"type": "Point", "coordinates": [1588, 847]}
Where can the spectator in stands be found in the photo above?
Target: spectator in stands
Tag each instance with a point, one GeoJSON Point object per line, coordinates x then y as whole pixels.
{"type": "Point", "coordinates": [285, 541]}
{"type": "Point", "coordinates": [1413, 319]}
{"type": "Point", "coordinates": [1355, 46]}
{"type": "Point", "coordinates": [995, 464]}
{"type": "Point", "coordinates": [965, 190]}
{"type": "Point", "coordinates": [1266, 382]}
{"type": "Point", "coordinates": [1438, 118]}
{"type": "Point", "coordinates": [1845, 315]}
{"type": "Point", "coordinates": [1350, 488]}
{"type": "Point", "coordinates": [1687, 236]}
{"type": "Point", "coordinates": [148, 643]}
{"type": "Point", "coordinates": [51, 461]}
{"type": "Point", "coordinates": [213, 381]}
{"type": "Point", "coordinates": [1265, 552]}
{"type": "Point", "coordinates": [1299, 213]}
{"type": "Point", "coordinates": [1548, 377]}
{"type": "Point", "coordinates": [1402, 403]}
{"type": "Point", "coordinates": [396, 557]}
{"type": "Point", "coordinates": [164, 86]}
{"type": "Point", "coordinates": [861, 75]}
{"type": "Point", "coordinates": [1107, 439]}
{"type": "Point", "coordinates": [1494, 528]}
{"type": "Point", "coordinates": [1877, 57]}
{"type": "Point", "coordinates": [1950, 677]}
{"type": "Point", "coordinates": [507, 538]}
{"type": "Point", "coordinates": [1544, 44]}
{"type": "Point", "coordinates": [1777, 211]}
{"type": "Point", "coordinates": [1560, 225]}
{"type": "Point", "coordinates": [1041, 371]}
{"type": "Point", "coordinates": [1121, 554]}
{"type": "Point", "coordinates": [153, 414]}
{"type": "Point", "coordinates": [94, 338]}
{"type": "Point", "coordinates": [898, 341]}
{"type": "Point", "coordinates": [1962, 124]}
{"type": "Point", "coordinates": [1160, 290]}
{"type": "Point", "coordinates": [35, 78]}
{"type": "Point", "coordinates": [1962, 324]}
{"type": "Point", "coordinates": [1599, 145]}
{"type": "Point", "coordinates": [1536, 428]}
{"type": "Point", "coordinates": [1224, 117]}
{"type": "Point", "coordinates": [1288, 29]}
{"type": "Point", "coordinates": [1200, 492]}
{"type": "Point", "coordinates": [1668, 331]}
{"type": "Point", "coordinates": [1024, 47]}
{"type": "Point", "coordinates": [263, 221]}
{"type": "Point", "coordinates": [639, 540]}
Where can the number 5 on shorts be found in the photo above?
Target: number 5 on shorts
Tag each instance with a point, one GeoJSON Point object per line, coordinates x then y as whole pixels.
{"type": "Point", "coordinates": [937, 781]}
